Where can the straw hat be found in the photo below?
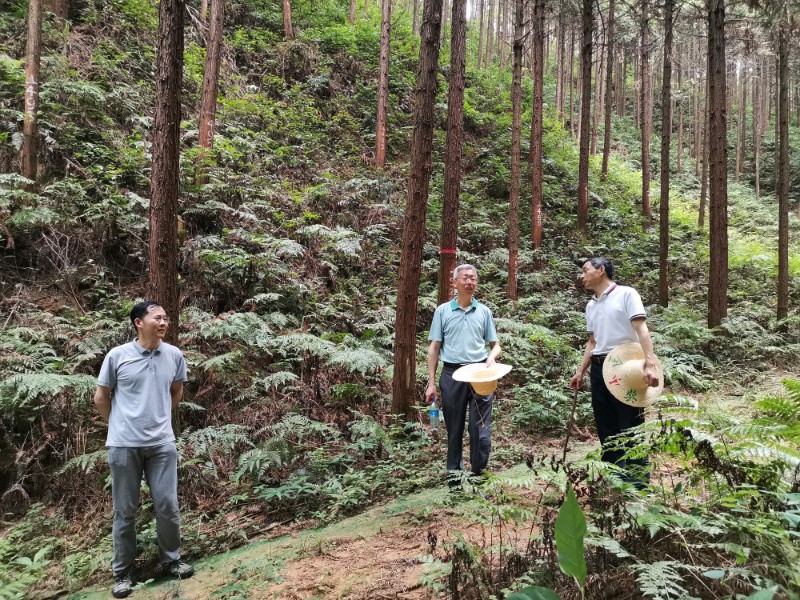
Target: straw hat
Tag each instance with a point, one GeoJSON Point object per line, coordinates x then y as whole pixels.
{"type": "Point", "coordinates": [623, 372]}
{"type": "Point", "coordinates": [482, 378]}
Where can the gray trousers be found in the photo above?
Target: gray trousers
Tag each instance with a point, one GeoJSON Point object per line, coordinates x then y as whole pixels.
{"type": "Point", "coordinates": [456, 397]}
{"type": "Point", "coordinates": [160, 465]}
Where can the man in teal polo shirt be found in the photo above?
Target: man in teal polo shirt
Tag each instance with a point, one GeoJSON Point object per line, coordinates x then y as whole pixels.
{"type": "Point", "coordinates": [460, 333]}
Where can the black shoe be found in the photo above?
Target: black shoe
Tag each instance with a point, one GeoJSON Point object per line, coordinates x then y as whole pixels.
{"type": "Point", "coordinates": [123, 586]}
{"type": "Point", "coordinates": [179, 569]}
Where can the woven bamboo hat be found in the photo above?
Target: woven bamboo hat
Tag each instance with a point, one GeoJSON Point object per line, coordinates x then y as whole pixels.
{"type": "Point", "coordinates": [623, 372]}
{"type": "Point", "coordinates": [483, 379]}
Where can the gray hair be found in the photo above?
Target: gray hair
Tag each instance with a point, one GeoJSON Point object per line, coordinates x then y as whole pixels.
{"type": "Point", "coordinates": [602, 261]}
{"type": "Point", "coordinates": [464, 267]}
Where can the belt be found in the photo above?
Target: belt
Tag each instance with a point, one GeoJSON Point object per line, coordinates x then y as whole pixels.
{"type": "Point", "coordinates": [599, 359]}
{"type": "Point", "coordinates": [454, 366]}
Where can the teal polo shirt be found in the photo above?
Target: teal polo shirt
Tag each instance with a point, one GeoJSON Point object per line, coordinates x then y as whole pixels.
{"type": "Point", "coordinates": [463, 333]}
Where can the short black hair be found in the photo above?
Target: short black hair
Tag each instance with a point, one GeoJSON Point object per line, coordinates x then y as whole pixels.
{"type": "Point", "coordinates": [141, 309]}
{"type": "Point", "coordinates": [602, 261]}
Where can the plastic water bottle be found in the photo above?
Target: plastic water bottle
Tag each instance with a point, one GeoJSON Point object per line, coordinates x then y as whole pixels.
{"type": "Point", "coordinates": [433, 414]}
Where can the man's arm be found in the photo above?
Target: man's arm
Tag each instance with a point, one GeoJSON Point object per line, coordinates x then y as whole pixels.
{"type": "Point", "coordinates": [577, 380]}
{"type": "Point", "coordinates": [176, 390]}
{"type": "Point", "coordinates": [102, 401]}
{"type": "Point", "coordinates": [433, 362]}
{"type": "Point", "coordinates": [643, 333]}
{"type": "Point", "coordinates": [493, 354]}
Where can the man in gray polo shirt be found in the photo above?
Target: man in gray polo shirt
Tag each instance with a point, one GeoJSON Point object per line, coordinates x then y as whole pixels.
{"type": "Point", "coordinates": [139, 384]}
{"type": "Point", "coordinates": [615, 315]}
{"type": "Point", "coordinates": [460, 332]}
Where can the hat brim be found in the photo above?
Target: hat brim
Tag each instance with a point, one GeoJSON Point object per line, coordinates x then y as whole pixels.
{"type": "Point", "coordinates": [621, 386]}
{"type": "Point", "coordinates": [478, 372]}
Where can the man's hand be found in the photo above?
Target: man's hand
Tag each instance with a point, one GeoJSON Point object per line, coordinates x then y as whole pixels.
{"type": "Point", "coordinates": [651, 372]}
{"type": "Point", "coordinates": [490, 362]}
{"type": "Point", "coordinates": [577, 381]}
{"type": "Point", "coordinates": [430, 392]}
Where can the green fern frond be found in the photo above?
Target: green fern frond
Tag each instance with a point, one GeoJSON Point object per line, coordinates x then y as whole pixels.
{"type": "Point", "coordinates": [362, 359]}
{"type": "Point", "coordinates": [661, 581]}
{"type": "Point", "coordinates": [293, 345]}
{"type": "Point", "coordinates": [255, 463]}
{"type": "Point", "coordinates": [223, 362]}
{"type": "Point", "coordinates": [223, 439]}
{"type": "Point", "coordinates": [302, 427]}
{"type": "Point", "coordinates": [85, 462]}
{"type": "Point", "coordinates": [275, 380]}
{"type": "Point", "coordinates": [25, 389]}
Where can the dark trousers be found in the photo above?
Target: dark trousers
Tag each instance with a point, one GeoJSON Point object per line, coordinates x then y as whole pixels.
{"type": "Point", "coordinates": [613, 417]}
{"type": "Point", "coordinates": [456, 397]}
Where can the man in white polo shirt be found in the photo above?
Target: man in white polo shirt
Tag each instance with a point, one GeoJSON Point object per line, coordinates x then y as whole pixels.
{"type": "Point", "coordinates": [460, 332]}
{"type": "Point", "coordinates": [615, 315]}
{"type": "Point", "coordinates": [139, 384]}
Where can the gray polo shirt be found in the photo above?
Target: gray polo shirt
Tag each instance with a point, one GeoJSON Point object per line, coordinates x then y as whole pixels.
{"type": "Point", "coordinates": [609, 317]}
{"type": "Point", "coordinates": [463, 333]}
{"type": "Point", "coordinates": [141, 404]}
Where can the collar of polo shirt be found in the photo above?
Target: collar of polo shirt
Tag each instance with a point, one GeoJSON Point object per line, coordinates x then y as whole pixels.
{"type": "Point", "coordinates": [454, 304]}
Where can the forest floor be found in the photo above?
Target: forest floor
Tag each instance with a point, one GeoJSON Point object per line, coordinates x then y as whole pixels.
{"type": "Point", "coordinates": [381, 553]}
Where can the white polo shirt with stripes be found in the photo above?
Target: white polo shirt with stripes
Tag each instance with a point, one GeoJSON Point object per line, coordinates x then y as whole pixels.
{"type": "Point", "coordinates": [609, 317]}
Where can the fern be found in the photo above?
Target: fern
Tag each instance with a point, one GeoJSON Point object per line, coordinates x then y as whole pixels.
{"type": "Point", "coordinates": [661, 581]}
{"type": "Point", "coordinates": [275, 381]}
{"type": "Point", "coordinates": [362, 359]}
{"type": "Point", "coordinates": [255, 463]}
{"type": "Point", "coordinates": [207, 442]}
{"type": "Point", "coordinates": [85, 462]}
{"type": "Point", "coordinates": [24, 390]}
{"type": "Point", "coordinates": [294, 345]}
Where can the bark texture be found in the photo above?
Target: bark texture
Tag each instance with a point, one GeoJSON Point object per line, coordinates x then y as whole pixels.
{"type": "Point", "coordinates": [33, 53]}
{"type": "Point", "coordinates": [453, 145]}
{"type": "Point", "coordinates": [404, 381]}
{"type": "Point", "coordinates": [208, 101]}
{"type": "Point", "coordinates": [163, 273]}
{"type": "Point", "coordinates": [718, 165]}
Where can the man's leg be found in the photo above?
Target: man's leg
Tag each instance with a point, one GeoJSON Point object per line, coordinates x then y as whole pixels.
{"type": "Point", "coordinates": [455, 396]}
{"type": "Point", "coordinates": [605, 416]}
{"type": "Point", "coordinates": [126, 477]}
{"type": "Point", "coordinates": [161, 468]}
{"type": "Point", "coordinates": [627, 418]}
{"type": "Point", "coordinates": [480, 431]}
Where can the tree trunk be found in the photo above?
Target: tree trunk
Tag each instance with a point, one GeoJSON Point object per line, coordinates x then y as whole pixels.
{"type": "Point", "coordinates": [516, 118]}
{"type": "Point", "coordinates": [718, 166]}
{"type": "Point", "coordinates": [666, 135]}
{"type": "Point", "coordinates": [598, 86]}
{"type": "Point", "coordinates": [415, 23]}
{"type": "Point", "coordinates": [623, 80]}
{"type": "Point", "coordinates": [536, 123]}
{"type": "Point", "coordinates": [586, 100]}
{"type": "Point", "coordinates": [679, 106]}
{"type": "Point", "coordinates": [646, 104]}
{"type": "Point", "coordinates": [609, 90]}
{"type": "Point", "coordinates": [203, 10]}
{"type": "Point", "coordinates": [351, 16]}
{"type": "Point", "coordinates": [480, 31]}
{"type": "Point", "coordinates": [33, 53]}
{"type": "Point", "coordinates": [208, 101]}
{"type": "Point", "coordinates": [288, 31]}
{"type": "Point", "coordinates": [404, 380]}
{"type": "Point", "coordinates": [740, 138]}
{"type": "Point", "coordinates": [783, 172]}
{"type": "Point", "coordinates": [560, 50]}
{"type": "Point", "coordinates": [757, 105]}
{"type": "Point", "coordinates": [704, 157]}
{"type": "Point", "coordinates": [489, 35]}
{"type": "Point", "coordinates": [383, 84]}
{"type": "Point", "coordinates": [164, 178]}
{"type": "Point", "coordinates": [571, 81]}
{"type": "Point", "coordinates": [455, 139]}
